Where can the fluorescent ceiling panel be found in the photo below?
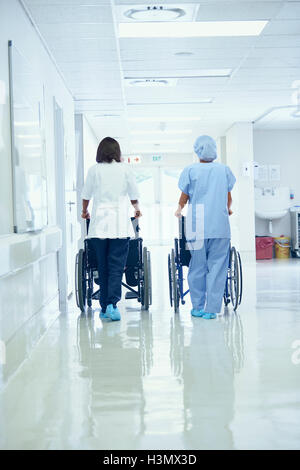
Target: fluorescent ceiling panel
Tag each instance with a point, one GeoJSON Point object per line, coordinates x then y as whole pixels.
{"type": "Point", "coordinates": [157, 132]}
{"type": "Point", "coordinates": [153, 142]}
{"type": "Point", "coordinates": [32, 146]}
{"type": "Point", "coordinates": [26, 123]}
{"type": "Point", "coordinates": [191, 29]}
{"type": "Point", "coordinates": [172, 103]}
{"type": "Point", "coordinates": [27, 136]}
{"type": "Point", "coordinates": [204, 73]}
{"type": "Point", "coordinates": [164, 118]}
{"type": "Point", "coordinates": [158, 150]}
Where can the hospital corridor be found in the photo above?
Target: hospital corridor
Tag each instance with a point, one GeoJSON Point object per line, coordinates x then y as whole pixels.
{"type": "Point", "coordinates": [150, 226]}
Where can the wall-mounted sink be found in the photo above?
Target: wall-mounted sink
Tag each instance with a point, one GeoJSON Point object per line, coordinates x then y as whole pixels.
{"type": "Point", "coordinates": [272, 203]}
{"type": "Point", "coordinates": [270, 215]}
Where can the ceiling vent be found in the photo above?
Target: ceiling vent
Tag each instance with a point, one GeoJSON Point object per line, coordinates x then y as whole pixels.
{"type": "Point", "coordinates": [154, 13]}
{"type": "Point", "coordinates": [151, 82]}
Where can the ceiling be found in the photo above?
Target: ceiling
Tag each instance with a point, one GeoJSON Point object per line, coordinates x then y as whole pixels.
{"type": "Point", "coordinates": [82, 36]}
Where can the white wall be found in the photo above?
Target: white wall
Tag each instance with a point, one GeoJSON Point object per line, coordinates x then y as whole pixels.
{"type": "Point", "coordinates": [279, 147]}
{"type": "Point", "coordinates": [90, 145]}
{"type": "Point", "coordinates": [239, 151]}
{"type": "Point", "coordinates": [28, 281]}
{"type": "Point", "coordinates": [86, 149]}
{"type": "Point", "coordinates": [179, 160]}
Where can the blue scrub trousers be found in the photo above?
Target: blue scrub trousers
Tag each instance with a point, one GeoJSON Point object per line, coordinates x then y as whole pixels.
{"type": "Point", "coordinates": [111, 255]}
{"type": "Point", "coordinates": [207, 274]}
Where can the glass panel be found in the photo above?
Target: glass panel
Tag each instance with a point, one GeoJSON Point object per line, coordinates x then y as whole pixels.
{"type": "Point", "coordinates": [169, 201]}
{"type": "Point", "coordinates": [146, 183]}
{"type": "Point", "coordinates": [169, 185]}
{"type": "Point", "coordinates": [147, 179]}
{"type": "Point", "coordinates": [28, 145]}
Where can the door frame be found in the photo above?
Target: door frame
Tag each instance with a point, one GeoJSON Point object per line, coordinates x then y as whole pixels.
{"type": "Point", "coordinates": [59, 139]}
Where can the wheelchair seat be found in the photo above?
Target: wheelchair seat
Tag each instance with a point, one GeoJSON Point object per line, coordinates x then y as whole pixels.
{"type": "Point", "coordinates": [132, 263]}
{"type": "Point", "coordinates": [184, 252]}
{"type": "Point", "coordinates": [92, 259]}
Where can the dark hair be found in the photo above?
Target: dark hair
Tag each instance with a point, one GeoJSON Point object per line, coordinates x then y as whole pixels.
{"type": "Point", "coordinates": [108, 150]}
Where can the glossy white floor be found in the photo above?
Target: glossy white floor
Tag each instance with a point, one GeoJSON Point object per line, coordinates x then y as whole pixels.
{"type": "Point", "coordinates": [160, 381]}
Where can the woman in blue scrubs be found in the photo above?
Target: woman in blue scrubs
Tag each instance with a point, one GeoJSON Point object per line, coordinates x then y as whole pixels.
{"type": "Point", "coordinates": [207, 186]}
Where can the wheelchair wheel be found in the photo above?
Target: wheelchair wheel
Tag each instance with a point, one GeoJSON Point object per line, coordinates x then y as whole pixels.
{"type": "Point", "coordinates": [174, 285]}
{"type": "Point", "coordinates": [147, 291]}
{"type": "Point", "coordinates": [80, 280]}
{"type": "Point", "coordinates": [234, 278]}
{"type": "Point", "coordinates": [241, 278]}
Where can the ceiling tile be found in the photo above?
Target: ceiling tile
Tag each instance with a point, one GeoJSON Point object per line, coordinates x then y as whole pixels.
{"type": "Point", "coordinates": [61, 13]}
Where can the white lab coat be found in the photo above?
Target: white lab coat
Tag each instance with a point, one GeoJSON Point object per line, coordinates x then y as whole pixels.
{"type": "Point", "coordinates": [111, 186]}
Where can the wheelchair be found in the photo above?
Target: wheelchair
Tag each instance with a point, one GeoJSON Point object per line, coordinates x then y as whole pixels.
{"type": "Point", "coordinates": [180, 257]}
{"type": "Point", "coordinates": [137, 273]}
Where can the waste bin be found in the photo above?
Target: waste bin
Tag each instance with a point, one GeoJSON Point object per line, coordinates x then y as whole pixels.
{"type": "Point", "coordinates": [282, 247]}
{"type": "Point", "coordinates": [264, 247]}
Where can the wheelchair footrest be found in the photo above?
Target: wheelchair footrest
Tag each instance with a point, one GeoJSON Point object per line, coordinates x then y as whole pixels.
{"type": "Point", "coordinates": [131, 295]}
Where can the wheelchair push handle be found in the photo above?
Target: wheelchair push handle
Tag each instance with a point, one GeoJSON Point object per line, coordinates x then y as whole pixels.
{"type": "Point", "coordinates": [135, 223]}
{"type": "Point", "coordinates": [136, 227]}
{"type": "Point", "coordinates": [87, 225]}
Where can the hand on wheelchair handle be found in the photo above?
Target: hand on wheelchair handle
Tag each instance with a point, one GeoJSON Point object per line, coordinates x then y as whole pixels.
{"type": "Point", "coordinates": [230, 212]}
{"type": "Point", "coordinates": [178, 213]}
{"type": "Point", "coordinates": [137, 214]}
{"type": "Point", "coordinates": [85, 215]}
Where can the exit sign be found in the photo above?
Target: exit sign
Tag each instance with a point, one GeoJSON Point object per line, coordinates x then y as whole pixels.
{"type": "Point", "coordinates": [156, 158]}
{"type": "Point", "coordinates": [133, 159]}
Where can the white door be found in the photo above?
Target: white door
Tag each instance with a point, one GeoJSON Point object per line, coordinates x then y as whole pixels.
{"type": "Point", "coordinates": [159, 191]}
{"type": "Point", "coordinates": [65, 209]}
{"type": "Point", "coordinates": [169, 197]}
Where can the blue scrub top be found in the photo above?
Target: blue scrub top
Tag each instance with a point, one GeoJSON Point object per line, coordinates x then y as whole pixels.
{"type": "Point", "coordinates": [208, 184]}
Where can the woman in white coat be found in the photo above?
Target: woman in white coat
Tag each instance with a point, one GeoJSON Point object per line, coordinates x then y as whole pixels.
{"type": "Point", "coordinates": [112, 186]}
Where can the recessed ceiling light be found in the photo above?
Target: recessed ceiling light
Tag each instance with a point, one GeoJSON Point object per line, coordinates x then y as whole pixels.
{"type": "Point", "coordinates": [27, 136]}
{"type": "Point", "coordinates": [158, 132]}
{"type": "Point", "coordinates": [154, 13]}
{"type": "Point", "coordinates": [191, 29]}
{"type": "Point", "coordinates": [152, 82]}
{"type": "Point", "coordinates": [26, 124]}
{"type": "Point", "coordinates": [183, 54]}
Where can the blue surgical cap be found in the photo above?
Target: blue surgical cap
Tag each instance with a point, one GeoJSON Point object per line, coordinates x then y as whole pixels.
{"type": "Point", "coordinates": [205, 147]}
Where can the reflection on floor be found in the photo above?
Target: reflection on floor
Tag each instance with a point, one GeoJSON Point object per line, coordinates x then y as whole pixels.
{"type": "Point", "coordinates": [165, 381]}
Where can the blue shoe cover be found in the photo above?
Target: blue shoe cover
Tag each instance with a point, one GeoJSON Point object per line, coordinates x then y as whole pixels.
{"type": "Point", "coordinates": [103, 314]}
{"type": "Point", "coordinates": [209, 316]}
{"type": "Point", "coordinates": [197, 313]}
{"type": "Point", "coordinates": [113, 313]}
